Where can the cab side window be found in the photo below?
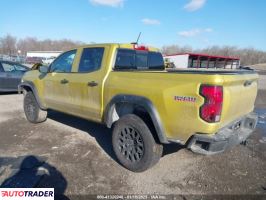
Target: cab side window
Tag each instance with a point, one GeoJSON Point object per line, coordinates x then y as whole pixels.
{"type": "Point", "coordinates": [91, 59]}
{"type": "Point", "coordinates": [63, 64]}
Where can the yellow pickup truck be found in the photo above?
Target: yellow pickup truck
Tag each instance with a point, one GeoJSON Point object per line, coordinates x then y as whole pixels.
{"type": "Point", "coordinates": [127, 88]}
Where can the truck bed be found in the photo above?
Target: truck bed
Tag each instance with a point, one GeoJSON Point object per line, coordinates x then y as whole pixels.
{"type": "Point", "coordinates": [181, 119]}
{"type": "Point", "coordinates": [211, 71]}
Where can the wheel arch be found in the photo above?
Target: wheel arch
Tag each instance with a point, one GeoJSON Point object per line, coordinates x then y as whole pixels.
{"type": "Point", "coordinates": [29, 86]}
{"type": "Point", "coordinates": [121, 105]}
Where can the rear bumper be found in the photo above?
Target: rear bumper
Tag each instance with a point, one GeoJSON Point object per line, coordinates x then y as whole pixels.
{"type": "Point", "coordinates": [227, 137]}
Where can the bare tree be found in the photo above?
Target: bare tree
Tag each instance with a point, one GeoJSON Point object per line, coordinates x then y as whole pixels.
{"type": "Point", "coordinates": [172, 49]}
{"type": "Point", "coordinates": [8, 44]}
{"type": "Point", "coordinates": [248, 56]}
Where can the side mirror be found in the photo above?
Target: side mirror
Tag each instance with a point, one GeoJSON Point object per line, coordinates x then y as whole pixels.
{"type": "Point", "coordinates": [43, 69]}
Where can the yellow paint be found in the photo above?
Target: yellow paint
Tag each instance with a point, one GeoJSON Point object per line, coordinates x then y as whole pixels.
{"type": "Point", "coordinates": [180, 119]}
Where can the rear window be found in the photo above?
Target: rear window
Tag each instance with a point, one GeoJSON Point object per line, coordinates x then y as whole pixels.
{"type": "Point", "coordinates": [141, 60]}
{"type": "Point", "coordinates": [125, 59]}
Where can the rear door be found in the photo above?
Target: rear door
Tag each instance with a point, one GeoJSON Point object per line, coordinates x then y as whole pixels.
{"type": "Point", "coordinates": [86, 83]}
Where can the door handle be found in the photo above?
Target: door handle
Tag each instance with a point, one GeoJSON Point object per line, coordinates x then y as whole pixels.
{"type": "Point", "coordinates": [92, 84]}
{"type": "Point", "coordinates": [64, 81]}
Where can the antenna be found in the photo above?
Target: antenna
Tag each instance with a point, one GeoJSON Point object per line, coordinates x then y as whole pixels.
{"type": "Point", "coordinates": [137, 39]}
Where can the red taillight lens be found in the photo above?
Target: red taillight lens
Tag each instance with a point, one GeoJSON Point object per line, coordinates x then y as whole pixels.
{"type": "Point", "coordinates": [211, 110]}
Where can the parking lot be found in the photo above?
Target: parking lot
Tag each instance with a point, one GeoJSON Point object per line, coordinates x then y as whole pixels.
{"type": "Point", "coordinates": [76, 158]}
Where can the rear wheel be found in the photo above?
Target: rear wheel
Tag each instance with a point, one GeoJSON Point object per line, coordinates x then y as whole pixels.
{"type": "Point", "coordinates": [134, 144]}
{"type": "Point", "coordinates": [33, 112]}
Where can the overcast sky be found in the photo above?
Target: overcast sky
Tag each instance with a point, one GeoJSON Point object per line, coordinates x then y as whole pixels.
{"type": "Point", "coordinates": [198, 23]}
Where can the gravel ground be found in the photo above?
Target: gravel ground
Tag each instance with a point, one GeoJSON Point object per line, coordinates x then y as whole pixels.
{"type": "Point", "coordinates": [75, 157]}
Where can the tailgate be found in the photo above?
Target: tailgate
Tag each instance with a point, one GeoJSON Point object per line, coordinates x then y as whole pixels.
{"type": "Point", "coordinates": [240, 91]}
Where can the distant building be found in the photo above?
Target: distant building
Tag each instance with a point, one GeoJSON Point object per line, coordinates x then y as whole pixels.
{"type": "Point", "coordinates": [192, 60]}
{"type": "Point", "coordinates": [43, 54]}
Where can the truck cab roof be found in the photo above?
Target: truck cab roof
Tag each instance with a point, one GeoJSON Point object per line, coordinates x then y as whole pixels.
{"type": "Point", "coordinates": [123, 46]}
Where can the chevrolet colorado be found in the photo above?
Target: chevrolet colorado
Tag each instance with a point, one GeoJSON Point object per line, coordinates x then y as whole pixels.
{"type": "Point", "coordinates": [126, 87]}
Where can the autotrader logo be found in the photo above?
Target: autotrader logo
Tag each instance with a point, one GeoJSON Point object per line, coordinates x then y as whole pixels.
{"type": "Point", "coordinates": [27, 193]}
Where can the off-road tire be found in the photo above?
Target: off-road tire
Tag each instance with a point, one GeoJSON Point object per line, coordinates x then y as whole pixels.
{"type": "Point", "coordinates": [32, 110]}
{"type": "Point", "coordinates": [134, 144]}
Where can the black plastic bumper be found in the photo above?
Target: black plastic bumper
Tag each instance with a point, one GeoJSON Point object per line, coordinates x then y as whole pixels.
{"type": "Point", "coordinates": [232, 135]}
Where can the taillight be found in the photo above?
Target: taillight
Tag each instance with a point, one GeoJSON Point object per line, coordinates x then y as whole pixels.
{"type": "Point", "coordinates": [211, 110]}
